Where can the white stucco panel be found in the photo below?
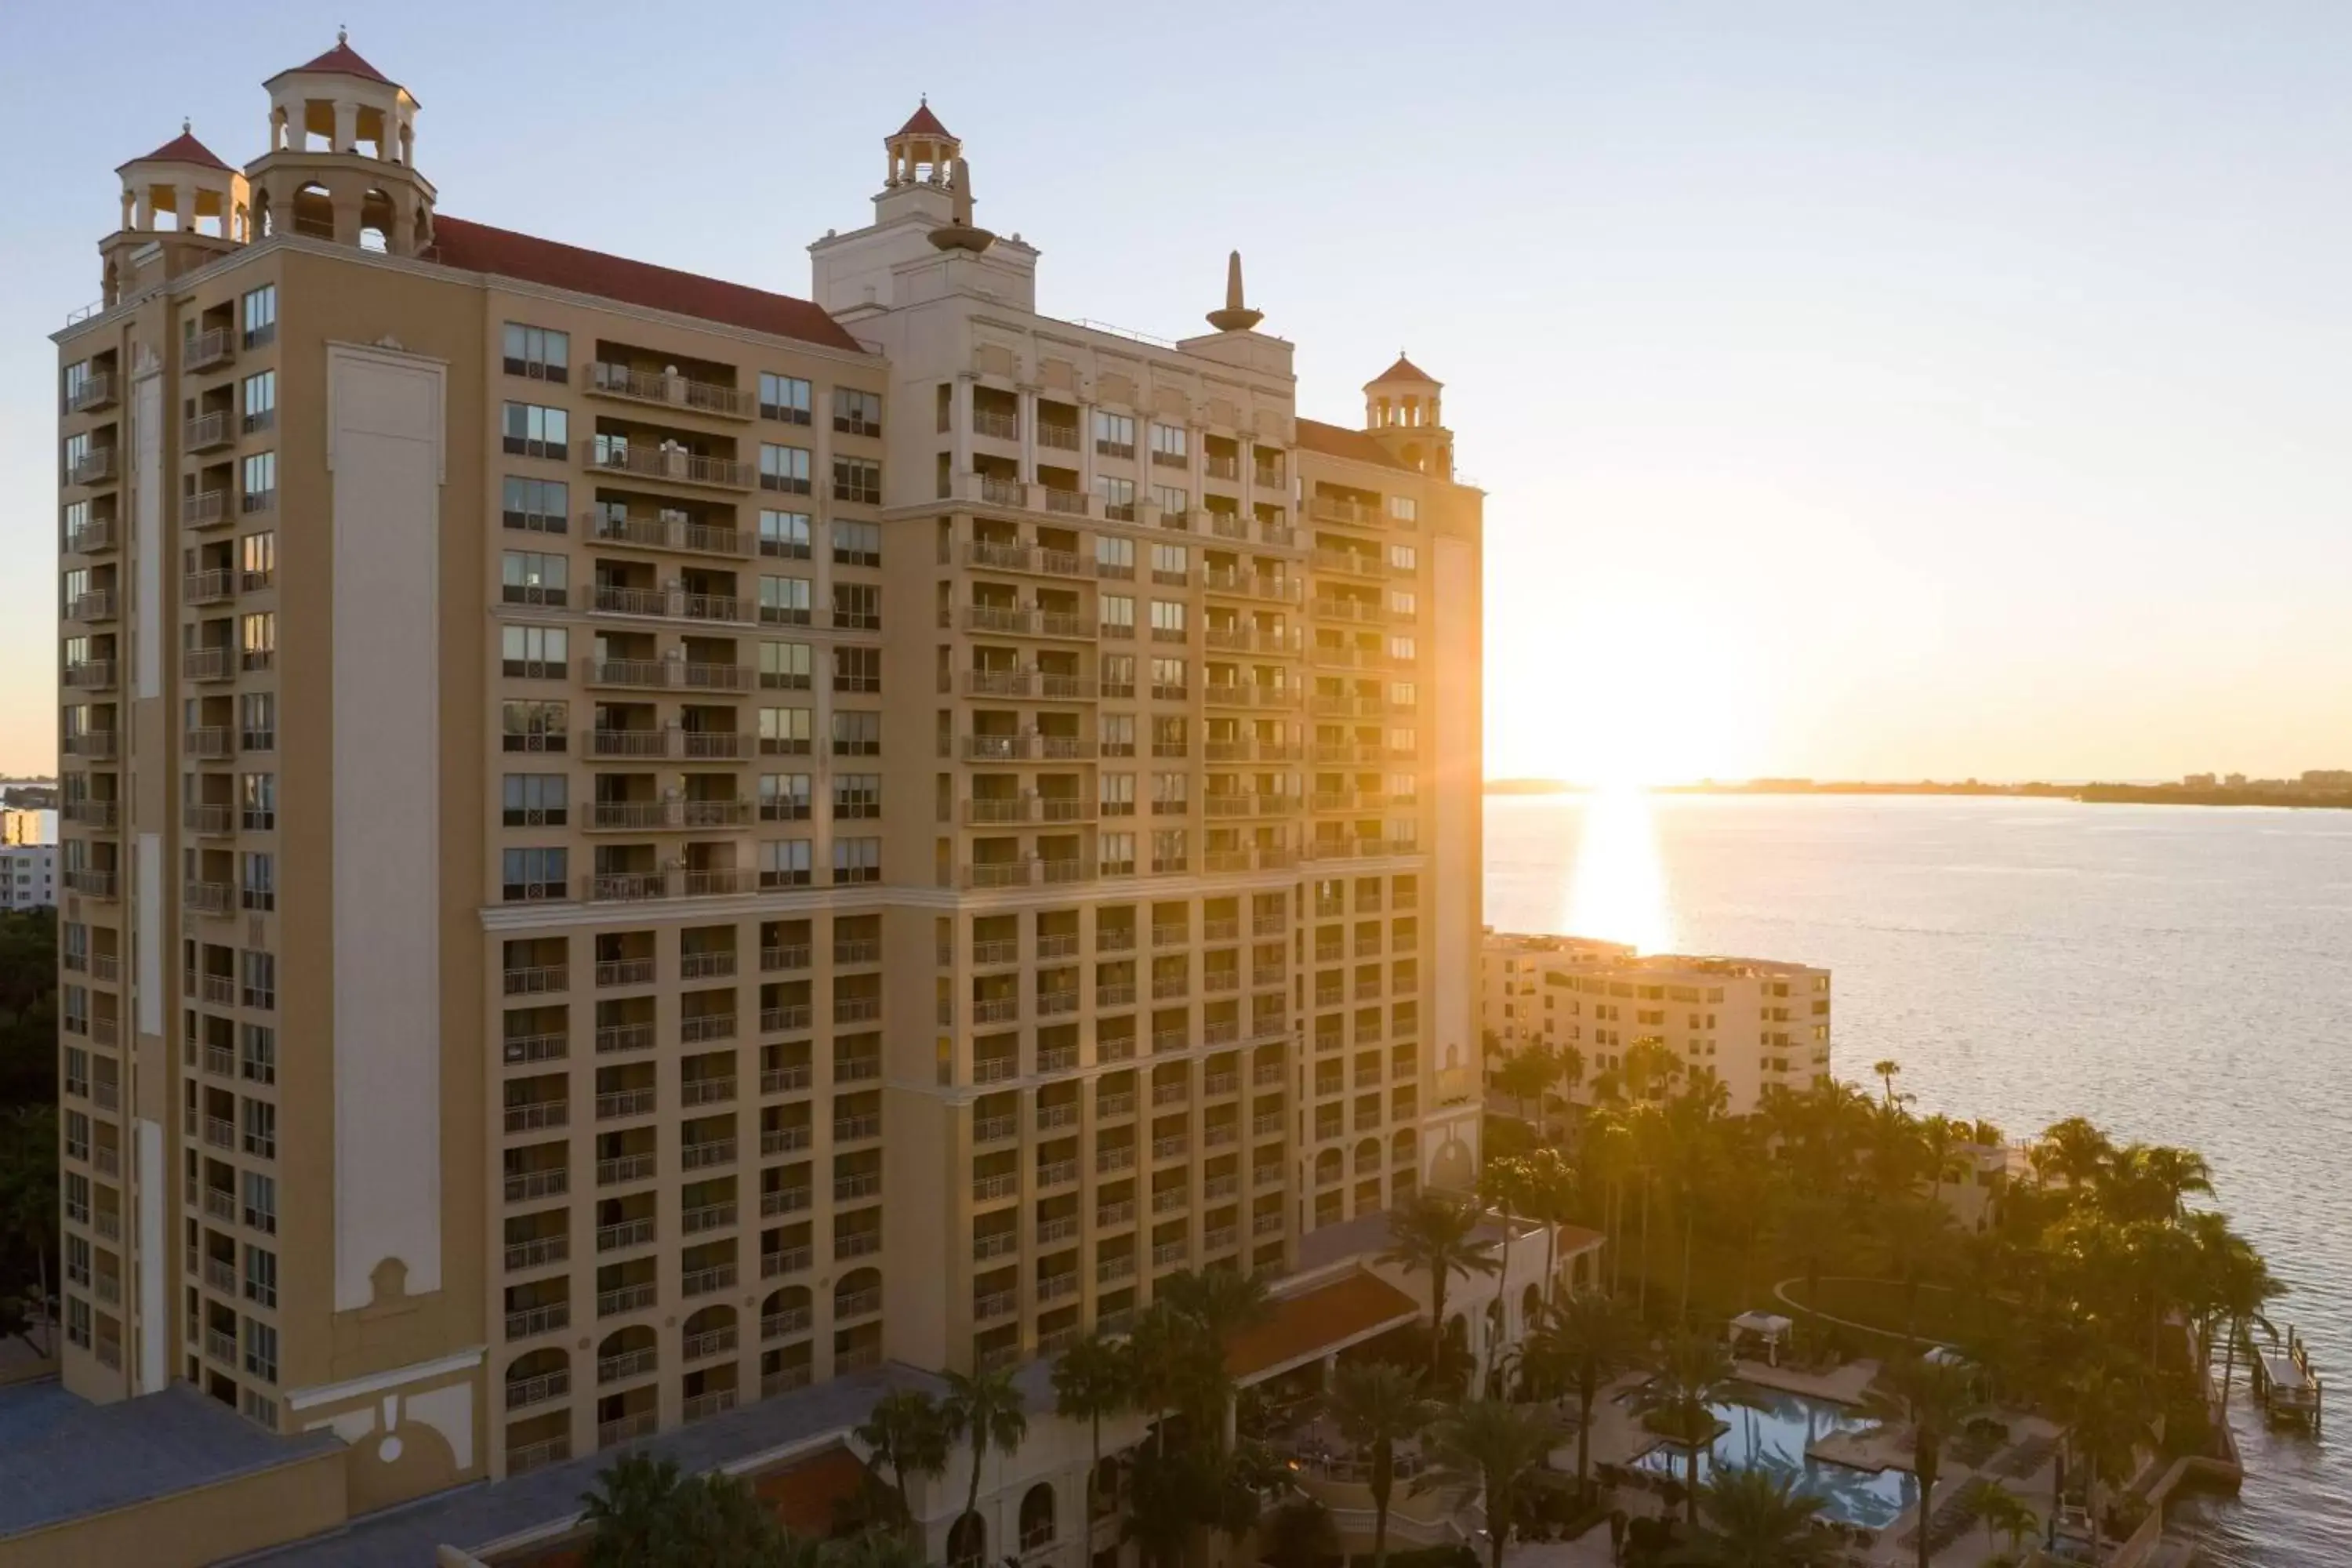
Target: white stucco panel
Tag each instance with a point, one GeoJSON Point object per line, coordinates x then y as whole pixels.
{"type": "Point", "coordinates": [385, 450]}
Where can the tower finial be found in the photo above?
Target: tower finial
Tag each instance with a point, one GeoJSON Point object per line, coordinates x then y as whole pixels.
{"type": "Point", "coordinates": [1236, 316]}
{"type": "Point", "coordinates": [959, 233]}
{"type": "Point", "coordinates": [343, 34]}
{"type": "Point", "coordinates": [187, 126]}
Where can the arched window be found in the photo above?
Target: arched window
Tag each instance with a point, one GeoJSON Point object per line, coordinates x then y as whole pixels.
{"type": "Point", "coordinates": [537, 1376]}
{"type": "Point", "coordinates": [967, 1543]}
{"type": "Point", "coordinates": [1037, 1518]}
{"type": "Point", "coordinates": [858, 1292]}
{"type": "Point", "coordinates": [628, 1352]}
{"type": "Point", "coordinates": [709, 1333]}
{"type": "Point", "coordinates": [784, 1312]}
{"type": "Point", "coordinates": [1368, 1157]}
{"type": "Point", "coordinates": [1327, 1165]}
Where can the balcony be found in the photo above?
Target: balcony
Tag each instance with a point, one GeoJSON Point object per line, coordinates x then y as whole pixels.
{"type": "Point", "coordinates": [714, 398]}
{"type": "Point", "coordinates": [524, 1392]}
{"type": "Point", "coordinates": [96, 605]}
{"type": "Point", "coordinates": [789, 1260]}
{"type": "Point", "coordinates": [215, 898]}
{"type": "Point", "coordinates": [207, 431]}
{"type": "Point", "coordinates": [96, 390]}
{"type": "Point", "coordinates": [628, 1299]}
{"type": "Point", "coordinates": [95, 467]}
{"type": "Point", "coordinates": [91, 537]}
{"type": "Point", "coordinates": [203, 508]}
{"type": "Point", "coordinates": [539, 1252]}
{"type": "Point", "coordinates": [668, 463]}
{"type": "Point", "coordinates": [212, 743]}
{"type": "Point", "coordinates": [534, 1320]}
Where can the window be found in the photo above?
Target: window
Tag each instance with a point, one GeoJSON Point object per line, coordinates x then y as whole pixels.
{"type": "Point", "coordinates": [76, 587]}
{"type": "Point", "coordinates": [257, 1052]}
{"type": "Point", "coordinates": [785, 535]}
{"type": "Point", "coordinates": [526, 875]}
{"type": "Point", "coordinates": [1404, 509]}
{"type": "Point", "coordinates": [77, 379]}
{"type": "Point", "coordinates": [536, 726]}
{"type": "Point", "coordinates": [857, 543]}
{"type": "Point", "coordinates": [260, 315]}
{"type": "Point", "coordinates": [1118, 795]}
{"type": "Point", "coordinates": [261, 1279]}
{"type": "Point", "coordinates": [856, 860]}
{"type": "Point", "coordinates": [1167, 620]}
{"type": "Point", "coordinates": [1115, 854]}
{"type": "Point", "coordinates": [1402, 743]}
{"type": "Point", "coordinates": [261, 1203]}
{"type": "Point", "coordinates": [857, 479]}
{"type": "Point", "coordinates": [77, 522]}
{"type": "Point", "coordinates": [261, 1350]}
{"type": "Point", "coordinates": [784, 666]}
{"type": "Point", "coordinates": [857, 734]}
{"type": "Point", "coordinates": [78, 1319]}
{"type": "Point", "coordinates": [1401, 649]}
{"type": "Point", "coordinates": [1169, 564]}
{"type": "Point", "coordinates": [260, 980]}
{"type": "Point", "coordinates": [1170, 677]}
{"type": "Point", "coordinates": [261, 1128]}
{"type": "Point", "coordinates": [1118, 616]}
{"type": "Point", "coordinates": [784, 601]}
{"type": "Point", "coordinates": [856, 412]}
{"type": "Point", "coordinates": [537, 352]}
{"type": "Point", "coordinates": [1169, 446]}
{"type": "Point", "coordinates": [76, 451]}
{"type": "Point", "coordinates": [1169, 851]}
{"type": "Point", "coordinates": [1118, 497]}
{"type": "Point", "coordinates": [77, 1135]}
{"type": "Point", "coordinates": [1172, 500]}
{"type": "Point", "coordinates": [783, 398]}
{"type": "Point", "coordinates": [542, 505]}
{"type": "Point", "coordinates": [532, 431]}
{"type": "Point", "coordinates": [534, 800]}
{"type": "Point", "coordinates": [857, 607]}
{"type": "Point", "coordinates": [785, 731]}
{"type": "Point", "coordinates": [1114, 557]}
{"type": "Point", "coordinates": [257, 714]}
{"type": "Point", "coordinates": [1117, 734]}
{"type": "Point", "coordinates": [257, 554]}
{"type": "Point", "coordinates": [1171, 794]}
{"type": "Point", "coordinates": [1114, 435]}
{"type": "Point", "coordinates": [1118, 671]}
{"type": "Point", "coordinates": [258, 639]}
{"type": "Point", "coordinates": [1402, 694]}
{"type": "Point", "coordinates": [857, 669]}
{"type": "Point", "coordinates": [257, 881]}
{"type": "Point", "coordinates": [1168, 738]}
{"type": "Point", "coordinates": [856, 796]}
{"type": "Point", "coordinates": [76, 1059]}
{"type": "Point", "coordinates": [260, 490]}
{"type": "Point", "coordinates": [530, 578]}
{"type": "Point", "coordinates": [260, 397]}
{"type": "Point", "coordinates": [785, 863]}
{"type": "Point", "coordinates": [784, 797]}
{"type": "Point", "coordinates": [784, 469]}
{"type": "Point", "coordinates": [76, 1188]}
{"type": "Point", "coordinates": [534, 652]}
{"type": "Point", "coordinates": [1402, 602]}
{"type": "Point", "coordinates": [78, 1265]}
{"type": "Point", "coordinates": [1404, 558]}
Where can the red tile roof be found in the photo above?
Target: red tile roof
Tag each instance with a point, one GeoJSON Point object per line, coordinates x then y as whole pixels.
{"type": "Point", "coordinates": [1576, 1238]}
{"type": "Point", "coordinates": [1404, 370]}
{"type": "Point", "coordinates": [923, 122]}
{"type": "Point", "coordinates": [181, 149]}
{"type": "Point", "coordinates": [1337, 441]}
{"type": "Point", "coordinates": [807, 1497]}
{"type": "Point", "coordinates": [479, 247]}
{"type": "Point", "coordinates": [344, 60]}
{"type": "Point", "coordinates": [1316, 1320]}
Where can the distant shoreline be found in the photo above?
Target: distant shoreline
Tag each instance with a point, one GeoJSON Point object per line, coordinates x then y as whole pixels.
{"type": "Point", "coordinates": [2090, 793]}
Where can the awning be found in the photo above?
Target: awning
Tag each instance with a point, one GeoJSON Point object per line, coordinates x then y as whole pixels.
{"type": "Point", "coordinates": [1315, 1323]}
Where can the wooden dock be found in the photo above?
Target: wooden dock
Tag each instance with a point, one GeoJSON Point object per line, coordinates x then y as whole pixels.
{"type": "Point", "coordinates": [2285, 1383]}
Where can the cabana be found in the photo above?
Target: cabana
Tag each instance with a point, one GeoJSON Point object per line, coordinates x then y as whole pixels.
{"type": "Point", "coordinates": [1769, 1327]}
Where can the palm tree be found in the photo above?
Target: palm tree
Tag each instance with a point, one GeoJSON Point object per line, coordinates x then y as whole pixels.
{"type": "Point", "coordinates": [1607, 1151]}
{"type": "Point", "coordinates": [1814, 1229]}
{"type": "Point", "coordinates": [906, 1431]}
{"type": "Point", "coordinates": [647, 1514]}
{"type": "Point", "coordinates": [1917, 1235]}
{"type": "Point", "coordinates": [984, 1406]}
{"type": "Point", "coordinates": [1376, 1403]}
{"type": "Point", "coordinates": [1932, 1398]}
{"type": "Point", "coordinates": [1432, 1235]}
{"type": "Point", "coordinates": [1694, 1375]}
{"type": "Point", "coordinates": [1549, 1194]}
{"type": "Point", "coordinates": [1757, 1518]}
{"type": "Point", "coordinates": [1525, 1075]}
{"type": "Point", "coordinates": [2073, 1150]}
{"type": "Point", "coordinates": [1093, 1379]}
{"type": "Point", "coordinates": [1492, 1447]}
{"type": "Point", "coordinates": [1581, 1341]}
{"type": "Point", "coordinates": [1503, 1186]}
{"type": "Point", "coordinates": [2002, 1512]}
{"type": "Point", "coordinates": [1887, 1069]}
{"type": "Point", "coordinates": [2106, 1417]}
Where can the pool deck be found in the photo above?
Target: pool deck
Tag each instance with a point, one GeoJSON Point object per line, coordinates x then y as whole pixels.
{"type": "Point", "coordinates": [1619, 1438]}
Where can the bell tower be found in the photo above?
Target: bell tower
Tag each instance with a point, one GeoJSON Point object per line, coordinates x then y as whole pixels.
{"type": "Point", "coordinates": [922, 157]}
{"type": "Point", "coordinates": [341, 159]}
{"type": "Point", "coordinates": [1402, 410]}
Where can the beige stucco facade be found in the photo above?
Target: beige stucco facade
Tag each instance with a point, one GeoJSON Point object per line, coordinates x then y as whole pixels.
{"type": "Point", "coordinates": [632, 844]}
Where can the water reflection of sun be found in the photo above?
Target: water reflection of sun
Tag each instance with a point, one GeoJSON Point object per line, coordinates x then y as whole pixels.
{"type": "Point", "coordinates": [1618, 890]}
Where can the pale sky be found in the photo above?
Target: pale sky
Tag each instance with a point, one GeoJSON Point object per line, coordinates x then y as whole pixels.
{"type": "Point", "coordinates": [1863, 389]}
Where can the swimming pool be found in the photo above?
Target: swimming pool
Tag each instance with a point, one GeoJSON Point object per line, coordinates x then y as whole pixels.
{"type": "Point", "coordinates": [1775, 1432]}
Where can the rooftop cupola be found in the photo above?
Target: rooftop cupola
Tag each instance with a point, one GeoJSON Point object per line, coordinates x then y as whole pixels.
{"type": "Point", "coordinates": [1236, 316]}
{"type": "Point", "coordinates": [341, 159]}
{"type": "Point", "coordinates": [1403, 409]}
{"type": "Point", "coordinates": [181, 208]}
{"type": "Point", "coordinates": [923, 151]}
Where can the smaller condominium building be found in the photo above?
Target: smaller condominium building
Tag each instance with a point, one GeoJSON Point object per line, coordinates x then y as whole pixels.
{"type": "Point", "coordinates": [29, 876]}
{"type": "Point", "coordinates": [1748, 1022]}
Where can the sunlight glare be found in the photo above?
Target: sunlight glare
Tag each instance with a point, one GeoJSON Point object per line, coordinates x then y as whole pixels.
{"type": "Point", "coordinates": [1619, 889]}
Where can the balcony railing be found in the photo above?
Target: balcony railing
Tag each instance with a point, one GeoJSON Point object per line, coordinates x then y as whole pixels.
{"type": "Point", "coordinates": [667, 463]}
{"type": "Point", "coordinates": [712, 397]}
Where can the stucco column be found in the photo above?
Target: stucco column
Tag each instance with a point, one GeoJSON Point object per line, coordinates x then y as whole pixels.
{"type": "Point", "coordinates": [959, 425]}
{"type": "Point", "coordinates": [183, 205]}
{"type": "Point", "coordinates": [1086, 448]}
{"type": "Point", "coordinates": [347, 126]}
{"type": "Point", "coordinates": [1028, 434]}
{"type": "Point", "coordinates": [142, 208]}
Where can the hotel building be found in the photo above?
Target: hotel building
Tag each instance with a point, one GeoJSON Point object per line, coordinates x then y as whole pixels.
{"type": "Point", "coordinates": [1750, 1023]}
{"type": "Point", "coordinates": [633, 844]}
